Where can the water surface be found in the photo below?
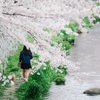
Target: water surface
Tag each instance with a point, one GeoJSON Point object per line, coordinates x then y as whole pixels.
{"type": "Point", "coordinates": [86, 52]}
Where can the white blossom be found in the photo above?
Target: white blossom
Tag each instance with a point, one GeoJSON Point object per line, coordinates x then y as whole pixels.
{"type": "Point", "coordinates": [0, 78]}
{"type": "Point", "coordinates": [9, 77]}
{"type": "Point", "coordinates": [0, 74]}
{"type": "Point", "coordinates": [44, 64]}
{"type": "Point", "coordinates": [4, 77]}
{"type": "Point", "coordinates": [4, 84]}
{"type": "Point", "coordinates": [7, 81]}
{"type": "Point", "coordinates": [35, 61]}
{"type": "Point", "coordinates": [61, 34]}
{"type": "Point", "coordinates": [32, 73]}
{"type": "Point", "coordinates": [38, 73]}
{"type": "Point", "coordinates": [33, 67]}
{"type": "Point", "coordinates": [76, 34]}
{"type": "Point", "coordinates": [68, 30]}
{"type": "Point", "coordinates": [44, 68]}
{"type": "Point", "coordinates": [60, 71]}
{"type": "Point", "coordinates": [12, 83]}
{"type": "Point", "coordinates": [0, 62]}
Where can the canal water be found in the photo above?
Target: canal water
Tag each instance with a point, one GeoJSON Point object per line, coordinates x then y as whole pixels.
{"type": "Point", "coordinates": [86, 53]}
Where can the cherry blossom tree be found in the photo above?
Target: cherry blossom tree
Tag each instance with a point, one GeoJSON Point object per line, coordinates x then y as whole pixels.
{"type": "Point", "coordinates": [21, 17]}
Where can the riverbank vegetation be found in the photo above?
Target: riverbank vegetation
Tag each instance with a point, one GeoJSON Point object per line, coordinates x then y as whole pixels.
{"type": "Point", "coordinates": [40, 82]}
{"type": "Point", "coordinates": [9, 68]}
{"type": "Point", "coordinates": [39, 79]}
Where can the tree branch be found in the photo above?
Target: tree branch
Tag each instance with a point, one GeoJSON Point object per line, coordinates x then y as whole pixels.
{"type": "Point", "coordinates": [32, 36]}
{"type": "Point", "coordinates": [14, 14]}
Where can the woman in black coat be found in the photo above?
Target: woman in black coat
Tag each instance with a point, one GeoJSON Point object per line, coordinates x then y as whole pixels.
{"type": "Point", "coordinates": [24, 58]}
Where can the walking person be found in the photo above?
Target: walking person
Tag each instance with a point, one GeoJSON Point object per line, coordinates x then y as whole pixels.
{"type": "Point", "coordinates": [24, 58]}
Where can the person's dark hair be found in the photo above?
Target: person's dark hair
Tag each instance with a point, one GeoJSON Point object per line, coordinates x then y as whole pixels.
{"type": "Point", "coordinates": [26, 51]}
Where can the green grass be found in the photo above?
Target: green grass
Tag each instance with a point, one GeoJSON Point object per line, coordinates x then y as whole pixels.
{"type": "Point", "coordinates": [57, 39]}
{"type": "Point", "coordinates": [52, 44]}
{"type": "Point", "coordinates": [46, 30]}
{"type": "Point", "coordinates": [38, 85]}
{"type": "Point", "coordinates": [73, 25]}
{"type": "Point", "coordinates": [13, 59]}
{"type": "Point", "coordinates": [87, 22]}
{"type": "Point", "coordinates": [2, 89]}
{"type": "Point", "coordinates": [12, 67]}
{"type": "Point", "coordinates": [30, 39]}
{"type": "Point", "coordinates": [35, 56]}
{"type": "Point", "coordinates": [98, 4]}
{"type": "Point", "coordinates": [66, 45]}
{"type": "Point", "coordinates": [88, 26]}
{"type": "Point", "coordinates": [97, 19]}
{"type": "Point", "coordinates": [65, 39]}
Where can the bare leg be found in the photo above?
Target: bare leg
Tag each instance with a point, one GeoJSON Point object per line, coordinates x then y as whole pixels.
{"type": "Point", "coordinates": [13, 78]}
{"type": "Point", "coordinates": [23, 73]}
{"type": "Point", "coordinates": [27, 73]}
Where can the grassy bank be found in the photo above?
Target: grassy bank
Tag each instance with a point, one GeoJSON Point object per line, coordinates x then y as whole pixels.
{"type": "Point", "coordinates": [2, 89]}
{"type": "Point", "coordinates": [9, 70]}
{"type": "Point", "coordinates": [13, 59]}
{"type": "Point", "coordinates": [40, 82]}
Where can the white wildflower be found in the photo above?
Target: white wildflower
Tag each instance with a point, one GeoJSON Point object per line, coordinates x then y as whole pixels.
{"type": "Point", "coordinates": [0, 62]}
{"type": "Point", "coordinates": [33, 67]}
{"type": "Point", "coordinates": [56, 71]}
{"type": "Point", "coordinates": [0, 74]}
{"type": "Point", "coordinates": [83, 23]}
{"type": "Point", "coordinates": [60, 44]}
{"type": "Point", "coordinates": [68, 30]}
{"type": "Point", "coordinates": [38, 73]}
{"type": "Point", "coordinates": [12, 83]}
{"type": "Point", "coordinates": [35, 61]}
{"type": "Point", "coordinates": [32, 73]}
{"type": "Point", "coordinates": [60, 71]}
{"type": "Point", "coordinates": [4, 84]}
{"type": "Point", "coordinates": [7, 81]}
{"type": "Point", "coordinates": [61, 34]}
{"type": "Point", "coordinates": [65, 66]}
{"type": "Point", "coordinates": [39, 64]}
{"type": "Point", "coordinates": [67, 22]}
{"type": "Point", "coordinates": [10, 77]}
{"type": "Point", "coordinates": [0, 78]}
{"type": "Point", "coordinates": [76, 34]}
{"type": "Point", "coordinates": [4, 77]}
{"type": "Point", "coordinates": [44, 64]}
{"type": "Point", "coordinates": [44, 68]}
